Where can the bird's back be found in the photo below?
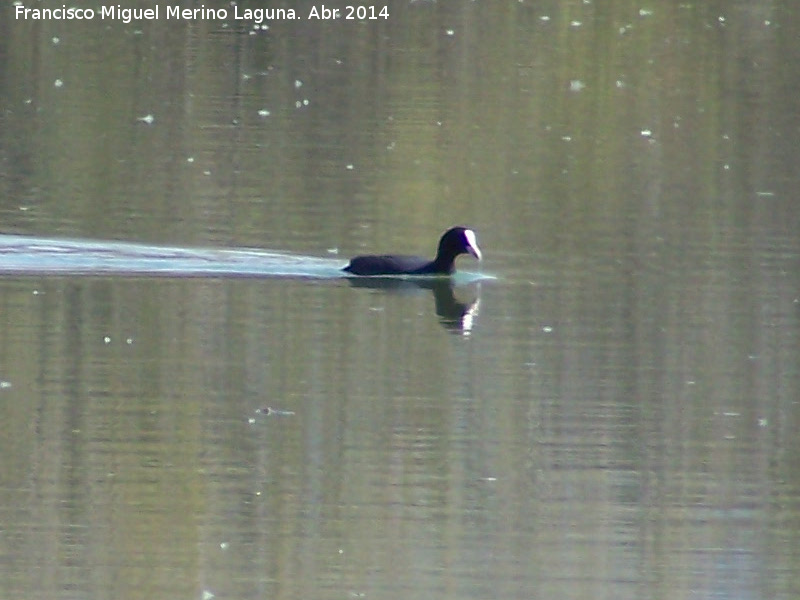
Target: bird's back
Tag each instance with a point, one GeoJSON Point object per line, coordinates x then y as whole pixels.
{"type": "Point", "coordinates": [388, 264]}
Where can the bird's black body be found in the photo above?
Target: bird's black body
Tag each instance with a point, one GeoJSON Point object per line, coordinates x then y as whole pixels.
{"type": "Point", "coordinates": [455, 241]}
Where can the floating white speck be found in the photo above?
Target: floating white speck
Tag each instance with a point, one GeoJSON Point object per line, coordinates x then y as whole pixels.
{"type": "Point", "coordinates": [721, 19]}
{"type": "Point", "coordinates": [544, 18]}
{"type": "Point", "coordinates": [575, 23]}
{"type": "Point", "coordinates": [332, 250]}
{"type": "Point", "coordinates": [263, 113]}
{"type": "Point", "coordinates": [224, 545]}
{"type": "Point", "coordinates": [275, 412]}
{"type": "Point", "coordinates": [107, 340]}
{"type": "Point", "coordinates": [250, 420]}
{"type": "Point", "coordinates": [147, 119]}
{"type": "Point", "coordinates": [4, 385]}
{"type": "Point", "coordinates": [547, 329]}
{"type": "Point", "coordinates": [298, 104]}
{"type": "Point", "coordinates": [58, 83]}
{"type": "Point", "coordinates": [349, 167]}
{"type": "Point", "coordinates": [208, 595]}
{"type": "Point", "coordinates": [129, 341]}
{"type": "Point", "coordinates": [645, 12]}
{"type": "Point", "coordinates": [576, 85]}
{"type": "Point", "coordinates": [646, 133]}
{"type": "Point", "coordinates": [190, 159]}
{"type": "Point", "coordinates": [450, 32]}
{"type": "Point", "coordinates": [305, 101]}
{"type": "Point", "coordinates": [56, 40]}
{"type": "Point", "coordinates": [298, 84]}
{"type": "Point", "coordinates": [762, 422]}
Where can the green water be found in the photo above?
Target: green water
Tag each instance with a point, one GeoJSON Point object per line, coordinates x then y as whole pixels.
{"type": "Point", "coordinates": [615, 415]}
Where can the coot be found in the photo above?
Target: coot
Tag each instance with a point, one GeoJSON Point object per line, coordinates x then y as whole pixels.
{"type": "Point", "coordinates": [455, 241]}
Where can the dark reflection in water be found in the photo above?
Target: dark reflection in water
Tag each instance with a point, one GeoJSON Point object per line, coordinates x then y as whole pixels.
{"type": "Point", "coordinates": [454, 314]}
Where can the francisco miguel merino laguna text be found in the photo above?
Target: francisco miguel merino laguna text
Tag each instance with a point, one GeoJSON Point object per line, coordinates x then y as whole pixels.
{"type": "Point", "coordinates": [257, 15]}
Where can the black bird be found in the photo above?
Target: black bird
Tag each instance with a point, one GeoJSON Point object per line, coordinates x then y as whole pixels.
{"type": "Point", "coordinates": [455, 241]}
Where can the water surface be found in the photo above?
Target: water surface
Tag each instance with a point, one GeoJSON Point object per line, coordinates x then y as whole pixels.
{"type": "Point", "coordinates": [614, 415]}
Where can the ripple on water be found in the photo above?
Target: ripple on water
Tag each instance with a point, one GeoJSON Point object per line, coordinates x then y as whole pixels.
{"type": "Point", "coordinates": [37, 256]}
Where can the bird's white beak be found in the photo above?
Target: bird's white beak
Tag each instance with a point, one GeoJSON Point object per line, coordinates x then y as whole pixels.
{"type": "Point", "coordinates": [472, 244]}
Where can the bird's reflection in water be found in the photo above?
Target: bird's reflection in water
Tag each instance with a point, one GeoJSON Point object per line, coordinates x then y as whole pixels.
{"type": "Point", "coordinates": [454, 314]}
